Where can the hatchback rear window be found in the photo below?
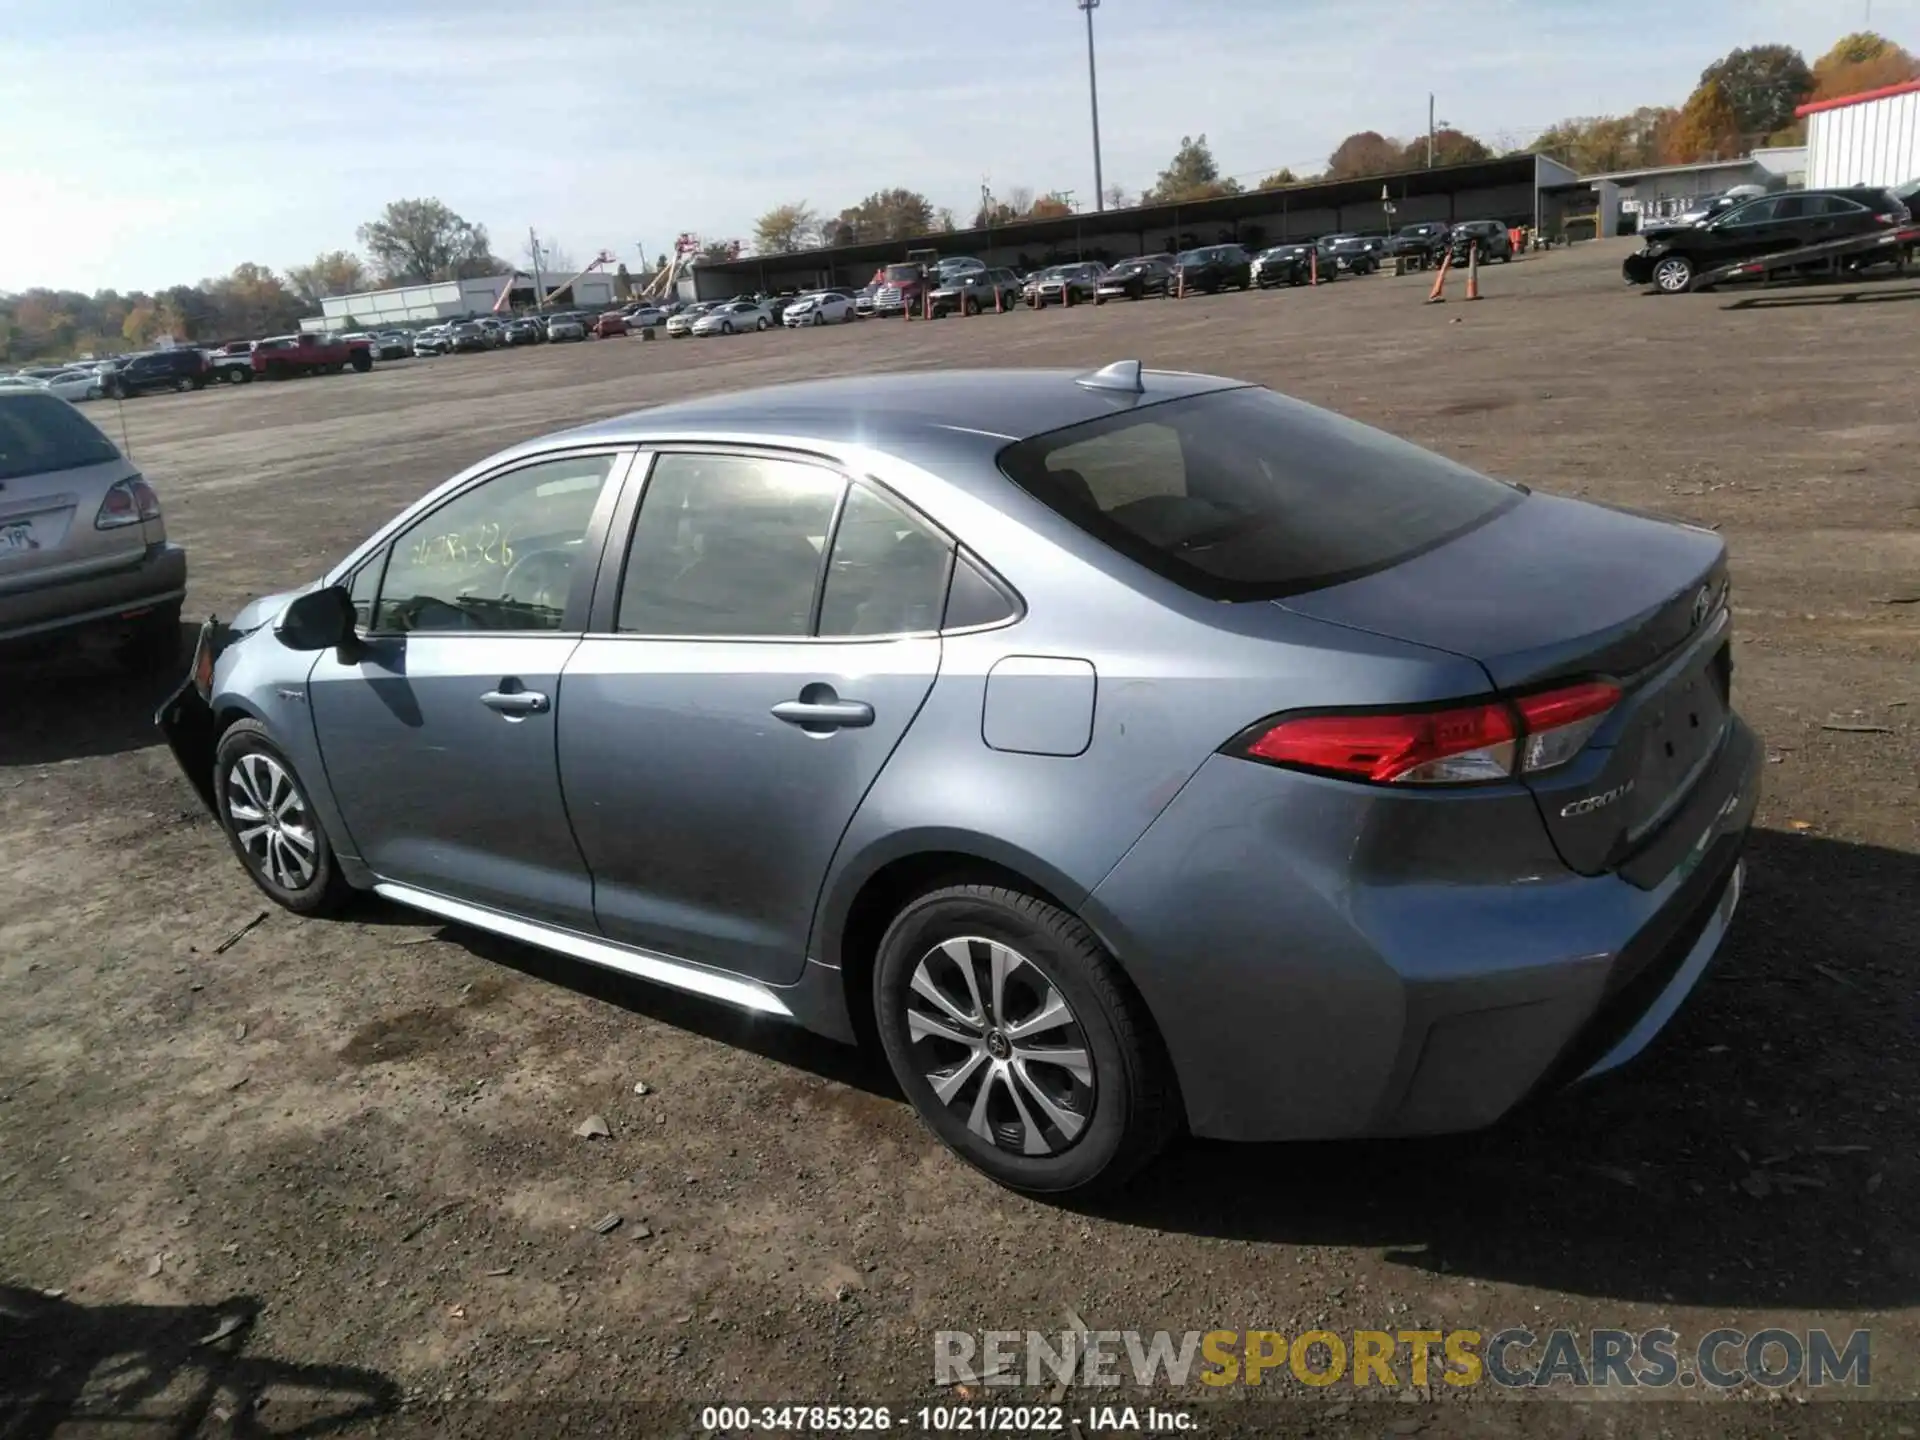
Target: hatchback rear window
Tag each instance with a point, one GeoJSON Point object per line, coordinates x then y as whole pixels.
{"type": "Point", "coordinates": [39, 433]}
{"type": "Point", "coordinates": [1246, 495]}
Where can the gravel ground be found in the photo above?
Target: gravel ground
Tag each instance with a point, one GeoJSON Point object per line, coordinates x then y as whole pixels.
{"type": "Point", "coordinates": [350, 1146]}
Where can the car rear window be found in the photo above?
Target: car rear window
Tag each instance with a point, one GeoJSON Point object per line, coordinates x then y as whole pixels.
{"type": "Point", "coordinates": [39, 433]}
{"type": "Point", "coordinates": [1245, 495]}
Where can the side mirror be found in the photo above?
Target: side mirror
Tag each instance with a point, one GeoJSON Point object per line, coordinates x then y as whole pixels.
{"type": "Point", "coordinates": [320, 620]}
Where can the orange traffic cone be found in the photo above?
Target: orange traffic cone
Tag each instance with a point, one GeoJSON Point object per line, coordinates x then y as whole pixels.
{"type": "Point", "coordinates": [1473, 271]}
{"type": "Point", "coordinates": [1438, 295]}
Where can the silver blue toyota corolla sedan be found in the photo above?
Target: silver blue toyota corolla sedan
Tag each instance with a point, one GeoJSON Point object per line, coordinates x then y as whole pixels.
{"type": "Point", "coordinates": [1125, 752]}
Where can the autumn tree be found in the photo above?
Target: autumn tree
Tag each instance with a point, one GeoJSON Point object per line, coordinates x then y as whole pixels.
{"type": "Point", "coordinates": [1367, 153]}
{"type": "Point", "coordinates": [1192, 175]}
{"type": "Point", "coordinates": [1278, 180]}
{"type": "Point", "coordinates": [252, 300]}
{"type": "Point", "coordinates": [1449, 147]}
{"type": "Point", "coordinates": [1762, 85]}
{"type": "Point", "coordinates": [944, 221]}
{"type": "Point", "coordinates": [1708, 128]}
{"type": "Point", "coordinates": [786, 228]}
{"type": "Point", "coordinates": [422, 240]}
{"type": "Point", "coordinates": [332, 272]}
{"type": "Point", "coordinates": [1117, 198]}
{"type": "Point", "coordinates": [896, 214]}
{"type": "Point", "coordinates": [1000, 212]}
{"type": "Point", "coordinates": [1594, 145]}
{"type": "Point", "coordinates": [1050, 207]}
{"type": "Point", "coordinates": [1860, 62]}
{"type": "Point", "coordinates": [720, 250]}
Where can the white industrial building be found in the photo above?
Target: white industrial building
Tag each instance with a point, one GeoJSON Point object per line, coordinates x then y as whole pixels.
{"type": "Point", "coordinates": [1870, 139]}
{"type": "Point", "coordinates": [453, 300]}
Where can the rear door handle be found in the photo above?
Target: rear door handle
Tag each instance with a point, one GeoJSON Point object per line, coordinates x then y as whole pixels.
{"type": "Point", "coordinates": [516, 702]}
{"type": "Point", "coordinates": [825, 714]}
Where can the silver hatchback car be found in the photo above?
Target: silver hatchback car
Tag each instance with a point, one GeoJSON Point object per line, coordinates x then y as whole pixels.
{"type": "Point", "coordinates": [1125, 752]}
{"type": "Point", "coordinates": [83, 545]}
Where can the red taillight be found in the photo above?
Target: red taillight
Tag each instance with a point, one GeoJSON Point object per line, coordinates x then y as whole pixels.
{"type": "Point", "coordinates": [1473, 742]}
{"type": "Point", "coordinates": [127, 502]}
{"type": "Point", "coordinates": [1461, 745]}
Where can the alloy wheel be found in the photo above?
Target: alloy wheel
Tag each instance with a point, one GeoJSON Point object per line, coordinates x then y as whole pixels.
{"type": "Point", "coordinates": [1000, 1046]}
{"type": "Point", "coordinates": [271, 820]}
{"type": "Point", "coordinates": [1673, 274]}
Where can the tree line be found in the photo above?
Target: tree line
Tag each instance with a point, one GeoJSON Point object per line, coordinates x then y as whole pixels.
{"type": "Point", "coordinates": [409, 242]}
{"type": "Point", "coordinates": [1745, 99]}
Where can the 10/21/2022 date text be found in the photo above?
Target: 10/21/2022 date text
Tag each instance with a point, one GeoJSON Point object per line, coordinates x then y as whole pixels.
{"type": "Point", "coordinates": [944, 1419]}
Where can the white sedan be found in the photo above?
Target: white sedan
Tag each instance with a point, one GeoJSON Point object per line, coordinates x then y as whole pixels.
{"type": "Point", "coordinates": [823, 307]}
{"type": "Point", "coordinates": [732, 317]}
{"type": "Point", "coordinates": [75, 385]}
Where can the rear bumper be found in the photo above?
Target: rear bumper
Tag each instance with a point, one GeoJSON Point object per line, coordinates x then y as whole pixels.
{"type": "Point", "coordinates": [1371, 976]}
{"type": "Point", "coordinates": [158, 577]}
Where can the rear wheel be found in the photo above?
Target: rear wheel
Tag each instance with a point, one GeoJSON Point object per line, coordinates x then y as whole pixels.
{"type": "Point", "coordinates": [970, 306]}
{"type": "Point", "coordinates": [1673, 274]}
{"type": "Point", "coordinates": [183, 384]}
{"type": "Point", "coordinates": [762, 323]}
{"type": "Point", "coordinates": [1019, 1042]}
{"type": "Point", "coordinates": [271, 824]}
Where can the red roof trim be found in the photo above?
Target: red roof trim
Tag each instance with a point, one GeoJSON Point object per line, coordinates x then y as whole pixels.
{"type": "Point", "coordinates": [1886, 92]}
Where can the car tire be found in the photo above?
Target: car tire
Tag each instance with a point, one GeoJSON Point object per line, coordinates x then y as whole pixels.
{"type": "Point", "coordinates": [1673, 274]}
{"type": "Point", "coordinates": [293, 863]}
{"type": "Point", "coordinates": [726, 327]}
{"type": "Point", "coordinates": [762, 323]}
{"type": "Point", "coordinates": [182, 384]}
{"type": "Point", "coordinates": [969, 306]}
{"type": "Point", "coordinates": [1031, 1124]}
{"type": "Point", "coordinates": [361, 362]}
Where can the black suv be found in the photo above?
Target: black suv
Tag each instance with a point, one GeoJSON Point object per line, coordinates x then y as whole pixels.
{"type": "Point", "coordinates": [182, 368]}
{"type": "Point", "coordinates": [1215, 268]}
{"type": "Point", "coordinates": [1675, 254]}
{"type": "Point", "coordinates": [1493, 238]}
{"type": "Point", "coordinates": [1423, 242]}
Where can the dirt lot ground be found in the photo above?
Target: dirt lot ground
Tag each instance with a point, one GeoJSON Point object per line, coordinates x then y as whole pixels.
{"type": "Point", "coordinates": [355, 1141]}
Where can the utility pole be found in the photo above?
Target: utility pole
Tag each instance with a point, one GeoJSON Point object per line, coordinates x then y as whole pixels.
{"type": "Point", "coordinates": [986, 212]}
{"type": "Point", "coordinates": [1093, 95]}
{"type": "Point", "coordinates": [1429, 130]}
{"type": "Point", "coordinates": [533, 254]}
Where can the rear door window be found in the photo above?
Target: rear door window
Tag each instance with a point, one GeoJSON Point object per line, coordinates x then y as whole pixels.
{"type": "Point", "coordinates": [40, 433]}
{"type": "Point", "coordinates": [1244, 494]}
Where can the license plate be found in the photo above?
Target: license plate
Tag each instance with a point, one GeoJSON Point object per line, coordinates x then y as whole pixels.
{"type": "Point", "coordinates": [17, 535]}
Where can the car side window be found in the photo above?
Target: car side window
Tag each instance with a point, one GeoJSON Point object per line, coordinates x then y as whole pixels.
{"type": "Point", "coordinates": [728, 545]}
{"type": "Point", "coordinates": [888, 571]}
{"type": "Point", "coordinates": [1795, 207]}
{"type": "Point", "coordinates": [1755, 212]}
{"type": "Point", "coordinates": [1834, 205]}
{"type": "Point", "coordinates": [499, 556]}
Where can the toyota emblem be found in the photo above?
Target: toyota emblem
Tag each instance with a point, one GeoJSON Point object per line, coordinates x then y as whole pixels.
{"type": "Point", "coordinates": [1702, 603]}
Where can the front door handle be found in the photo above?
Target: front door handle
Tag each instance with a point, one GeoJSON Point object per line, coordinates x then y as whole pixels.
{"type": "Point", "coordinates": [825, 714]}
{"type": "Point", "coordinates": [515, 703]}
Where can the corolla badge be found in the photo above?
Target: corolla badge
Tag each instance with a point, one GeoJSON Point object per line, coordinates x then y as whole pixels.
{"type": "Point", "coordinates": [1596, 802]}
{"type": "Point", "coordinates": [1702, 603]}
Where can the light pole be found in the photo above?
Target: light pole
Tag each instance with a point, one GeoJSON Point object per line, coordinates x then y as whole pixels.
{"type": "Point", "coordinates": [1093, 95]}
{"type": "Point", "coordinates": [1432, 128]}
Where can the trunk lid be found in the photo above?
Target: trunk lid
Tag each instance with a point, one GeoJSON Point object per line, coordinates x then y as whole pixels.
{"type": "Point", "coordinates": [1555, 590]}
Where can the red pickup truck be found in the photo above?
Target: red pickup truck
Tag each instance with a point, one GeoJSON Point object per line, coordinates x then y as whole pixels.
{"type": "Point", "coordinates": [285, 356]}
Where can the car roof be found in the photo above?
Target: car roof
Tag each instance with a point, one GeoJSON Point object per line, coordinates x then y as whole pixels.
{"type": "Point", "coordinates": [885, 411]}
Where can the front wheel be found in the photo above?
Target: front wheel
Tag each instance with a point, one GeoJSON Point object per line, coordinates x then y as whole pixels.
{"type": "Point", "coordinates": [271, 823]}
{"type": "Point", "coordinates": [183, 385]}
{"type": "Point", "coordinates": [1673, 275]}
{"type": "Point", "coordinates": [726, 327]}
{"type": "Point", "coordinates": [970, 306]}
{"type": "Point", "coordinates": [361, 361]}
{"type": "Point", "coordinates": [1019, 1042]}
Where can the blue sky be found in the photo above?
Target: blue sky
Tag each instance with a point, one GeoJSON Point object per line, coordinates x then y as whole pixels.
{"type": "Point", "coordinates": [149, 143]}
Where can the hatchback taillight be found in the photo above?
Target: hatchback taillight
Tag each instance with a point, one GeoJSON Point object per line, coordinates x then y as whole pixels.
{"type": "Point", "coordinates": [1458, 745]}
{"type": "Point", "coordinates": [127, 502]}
